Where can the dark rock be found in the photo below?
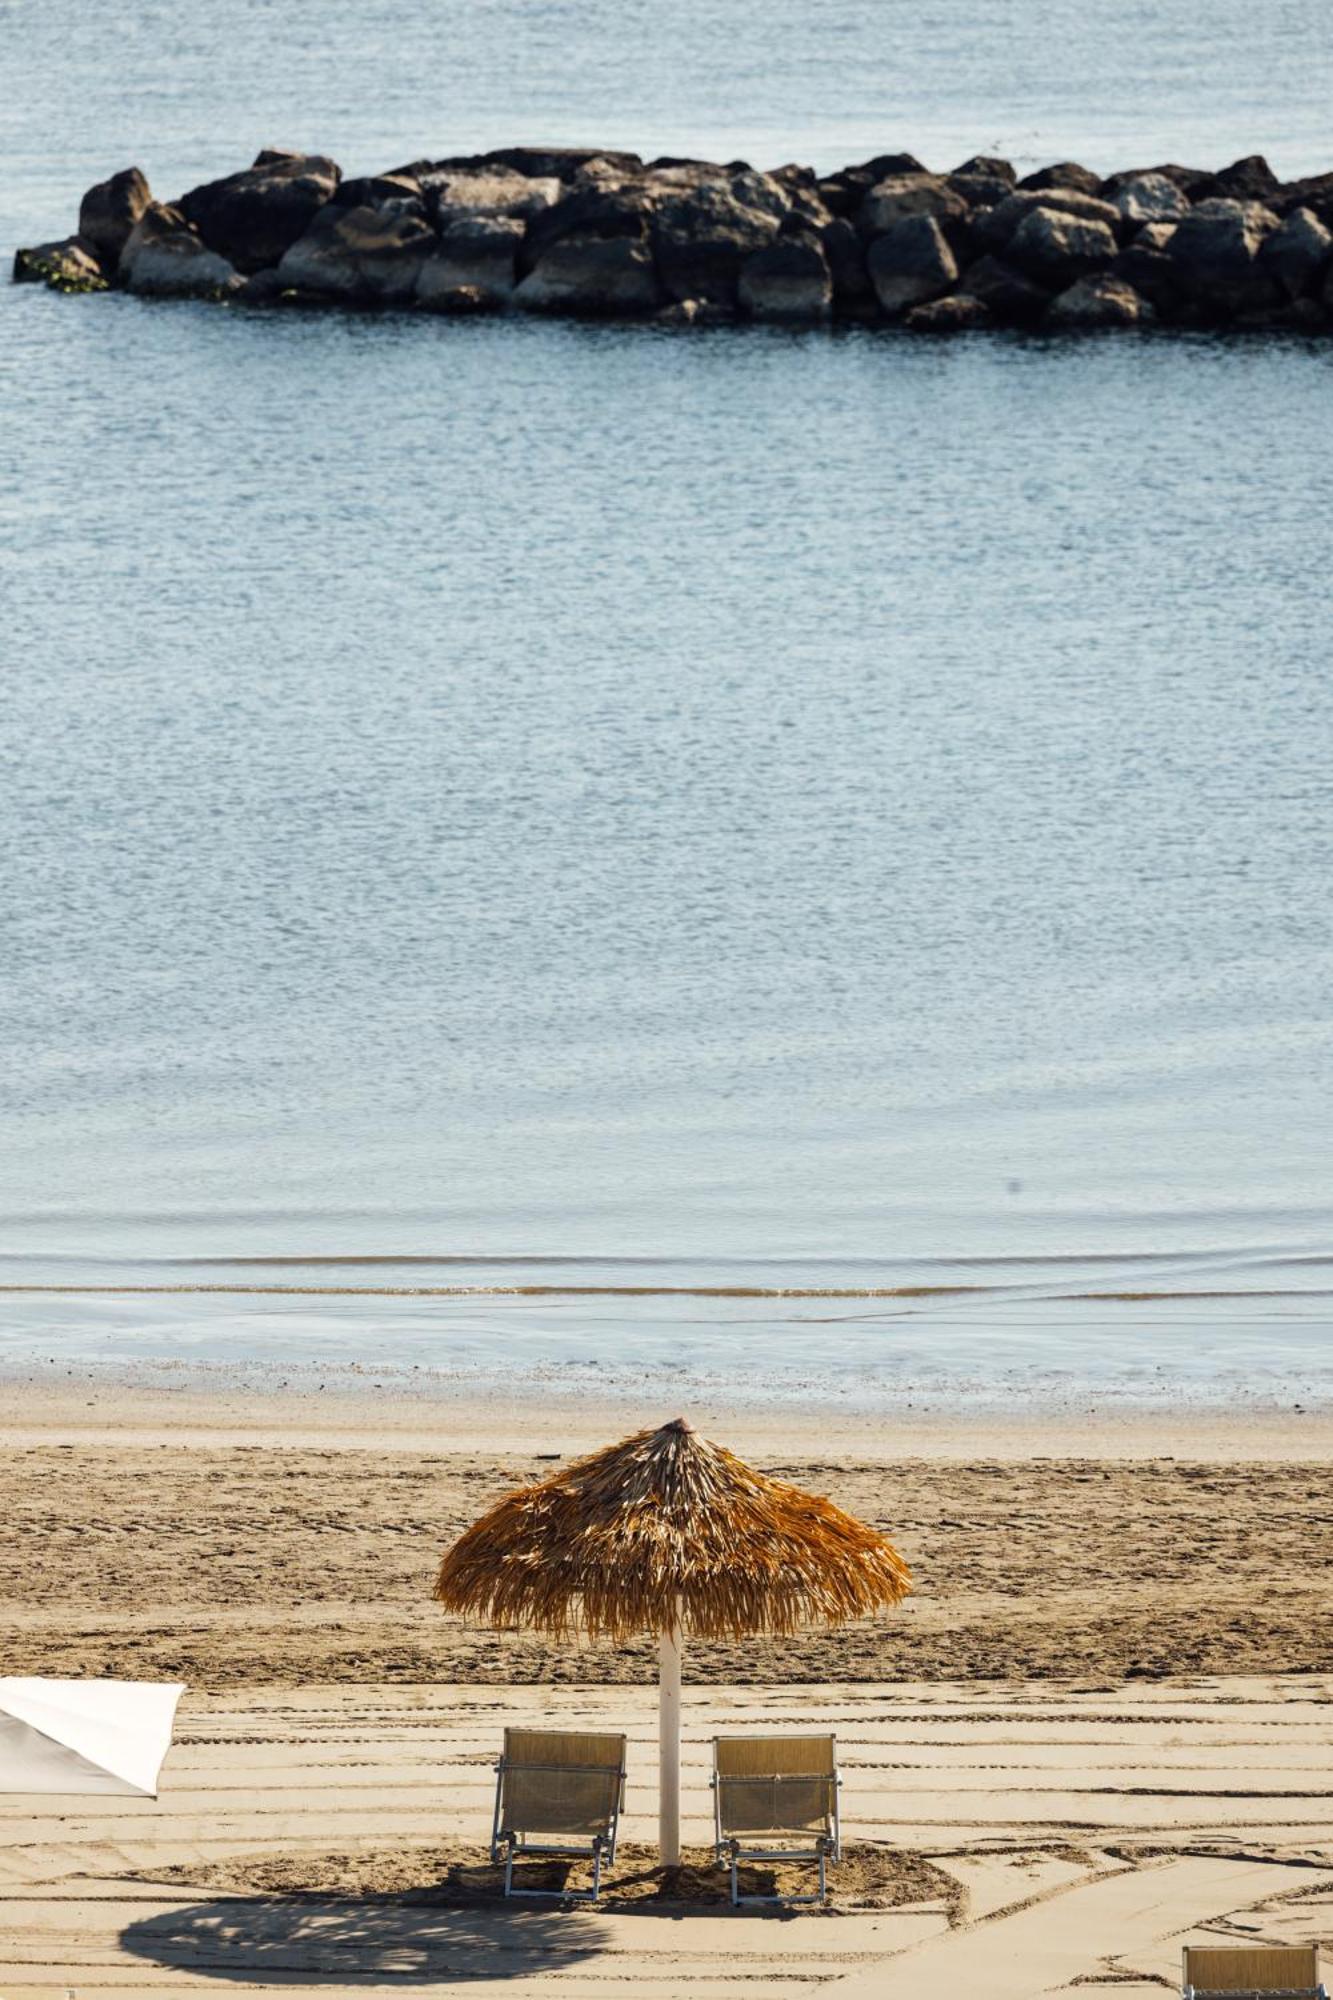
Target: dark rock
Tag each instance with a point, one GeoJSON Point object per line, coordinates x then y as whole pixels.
{"type": "Point", "coordinates": [1250, 179]}
{"type": "Point", "coordinates": [986, 166]}
{"type": "Point", "coordinates": [1103, 300]}
{"type": "Point", "coordinates": [589, 213]}
{"type": "Point", "coordinates": [68, 265]}
{"type": "Point", "coordinates": [1067, 174]}
{"type": "Point", "coordinates": [1193, 182]}
{"type": "Point", "coordinates": [853, 293]}
{"type": "Point", "coordinates": [956, 313]}
{"type": "Point", "coordinates": [1288, 316]}
{"type": "Point", "coordinates": [264, 288]}
{"type": "Point", "coordinates": [889, 200]}
{"type": "Point", "coordinates": [844, 191]}
{"type": "Point", "coordinates": [997, 228]}
{"type": "Point", "coordinates": [1011, 298]}
{"type": "Point", "coordinates": [702, 238]}
{"type": "Point", "coordinates": [1056, 248]}
{"type": "Point", "coordinates": [560, 162]}
{"type": "Point", "coordinates": [163, 258]}
{"type": "Point", "coordinates": [910, 263]}
{"type": "Point", "coordinates": [979, 190]}
{"type": "Point", "coordinates": [1148, 198]}
{"type": "Point", "coordinates": [109, 211]}
{"type": "Point", "coordinates": [592, 275]}
{"type": "Point", "coordinates": [788, 279]}
{"type": "Point", "coordinates": [473, 266]}
{"type": "Point", "coordinates": [369, 256]}
{"type": "Point", "coordinates": [253, 218]}
{"type": "Point", "coordinates": [372, 190]}
{"type": "Point", "coordinates": [1314, 193]}
{"type": "Point", "coordinates": [1297, 254]}
{"type": "Point", "coordinates": [1216, 251]}
{"type": "Point", "coordinates": [1146, 266]}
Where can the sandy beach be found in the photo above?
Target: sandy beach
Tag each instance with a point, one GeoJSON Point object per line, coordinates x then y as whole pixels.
{"type": "Point", "coordinates": [1103, 1720]}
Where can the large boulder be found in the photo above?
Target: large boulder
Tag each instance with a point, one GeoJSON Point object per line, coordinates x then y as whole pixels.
{"type": "Point", "coordinates": [1148, 198]}
{"type": "Point", "coordinates": [1010, 298]}
{"type": "Point", "coordinates": [702, 238]}
{"type": "Point", "coordinates": [990, 167]}
{"type": "Point", "coordinates": [1315, 193]}
{"type": "Point", "coordinates": [1064, 174]}
{"type": "Point", "coordinates": [367, 256]}
{"type": "Point", "coordinates": [109, 211]}
{"type": "Point", "coordinates": [473, 265]}
{"type": "Point", "coordinates": [253, 218]}
{"type": "Point", "coordinates": [69, 265]}
{"type": "Point", "coordinates": [900, 195]}
{"type": "Point", "coordinates": [1250, 179]}
{"type": "Point", "coordinates": [561, 163]}
{"type": "Point", "coordinates": [997, 228]}
{"type": "Point", "coordinates": [1056, 248]}
{"type": "Point", "coordinates": [164, 259]}
{"type": "Point", "coordinates": [959, 312]}
{"type": "Point", "coordinates": [589, 213]}
{"type": "Point", "coordinates": [1216, 251]}
{"type": "Point", "coordinates": [457, 192]}
{"type": "Point", "coordinates": [910, 263]}
{"type": "Point", "coordinates": [844, 191]}
{"type": "Point", "coordinates": [979, 190]}
{"type": "Point", "coordinates": [1103, 300]}
{"type": "Point", "coordinates": [1146, 265]}
{"type": "Point", "coordinates": [789, 279]}
{"type": "Point", "coordinates": [1297, 254]}
{"type": "Point", "coordinates": [594, 276]}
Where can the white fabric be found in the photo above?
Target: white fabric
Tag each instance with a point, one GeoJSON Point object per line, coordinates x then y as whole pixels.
{"type": "Point", "coordinates": [85, 1736]}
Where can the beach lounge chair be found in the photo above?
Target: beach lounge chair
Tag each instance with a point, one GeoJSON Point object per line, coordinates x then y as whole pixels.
{"type": "Point", "coordinates": [1251, 1972]}
{"type": "Point", "coordinates": [775, 1798]}
{"type": "Point", "coordinates": [557, 1792]}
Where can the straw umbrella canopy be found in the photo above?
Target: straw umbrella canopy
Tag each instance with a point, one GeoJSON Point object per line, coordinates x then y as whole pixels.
{"type": "Point", "coordinates": [670, 1534]}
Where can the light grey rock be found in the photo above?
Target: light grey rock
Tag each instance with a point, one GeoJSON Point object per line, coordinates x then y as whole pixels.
{"type": "Point", "coordinates": [997, 229]}
{"type": "Point", "coordinates": [592, 275]}
{"type": "Point", "coordinates": [456, 193]}
{"type": "Point", "coordinates": [475, 257]}
{"type": "Point", "coordinates": [901, 195]}
{"type": "Point", "coordinates": [109, 211]}
{"type": "Point", "coordinates": [1056, 248]}
{"type": "Point", "coordinates": [702, 238]}
{"type": "Point", "coordinates": [1297, 253]}
{"type": "Point", "coordinates": [909, 263]}
{"type": "Point", "coordinates": [164, 259]}
{"type": "Point", "coordinates": [1216, 250]}
{"type": "Point", "coordinates": [1103, 300]}
{"type": "Point", "coordinates": [788, 279]}
{"type": "Point", "coordinates": [1151, 198]}
{"type": "Point", "coordinates": [368, 256]}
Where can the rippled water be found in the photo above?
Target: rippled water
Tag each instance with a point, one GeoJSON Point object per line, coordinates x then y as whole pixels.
{"type": "Point", "coordinates": [756, 811]}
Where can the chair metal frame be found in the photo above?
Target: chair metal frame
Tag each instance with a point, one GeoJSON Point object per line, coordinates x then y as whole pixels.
{"type": "Point", "coordinates": [730, 1851]}
{"type": "Point", "coordinates": [509, 1844]}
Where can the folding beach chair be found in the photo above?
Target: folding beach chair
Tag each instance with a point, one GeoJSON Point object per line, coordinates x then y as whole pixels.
{"type": "Point", "coordinates": [558, 1792]}
{"type": "Point", "coordinates": [1251, 1972]}
{"type": "Point", "coordinates": [775, 1798]}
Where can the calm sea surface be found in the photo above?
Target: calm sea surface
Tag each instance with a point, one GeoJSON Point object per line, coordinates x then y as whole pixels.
{"type": "Point", "coordinates": [549, 806]}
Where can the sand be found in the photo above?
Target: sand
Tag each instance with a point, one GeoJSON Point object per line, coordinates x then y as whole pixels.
{"type": "Point", "coordinates": [260, 1542]}
{"type": "Point", "coordinates": [1104, 1725]}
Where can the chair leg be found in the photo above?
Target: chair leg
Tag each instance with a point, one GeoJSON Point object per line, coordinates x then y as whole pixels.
{"type": "Point", "coordinates": [596, 1871]}
{"type": "Point", "coordinates": [735, 1882]}
{"type": "Point", "coordinates": [509, 1869]}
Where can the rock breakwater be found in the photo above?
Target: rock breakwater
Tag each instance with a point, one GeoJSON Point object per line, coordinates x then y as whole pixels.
{"type": "Point", "coordinates": [590, 233]}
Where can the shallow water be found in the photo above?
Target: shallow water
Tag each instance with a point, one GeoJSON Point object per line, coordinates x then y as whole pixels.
{"type": "Point", "coordinates": [749, 811]}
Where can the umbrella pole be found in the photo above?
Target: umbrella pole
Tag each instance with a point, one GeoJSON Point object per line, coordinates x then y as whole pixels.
{"type": "Point", "coordinates": [668, 1726]}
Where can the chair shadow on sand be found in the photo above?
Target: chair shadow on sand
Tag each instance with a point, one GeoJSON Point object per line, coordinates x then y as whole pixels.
{"type": "Point", "coordinates": [364, 1941]}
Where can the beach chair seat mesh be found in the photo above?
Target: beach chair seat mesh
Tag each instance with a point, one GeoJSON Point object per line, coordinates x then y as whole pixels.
{"type": "Point", "coordinates": [1212, 1971]}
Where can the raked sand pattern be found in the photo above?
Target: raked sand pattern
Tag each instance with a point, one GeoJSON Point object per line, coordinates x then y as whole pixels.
{"type": "Point", "coordinates": [1089, 1833]}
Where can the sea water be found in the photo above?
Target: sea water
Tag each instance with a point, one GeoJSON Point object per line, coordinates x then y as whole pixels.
{"type": "Point", "coordinates": [600, 814]}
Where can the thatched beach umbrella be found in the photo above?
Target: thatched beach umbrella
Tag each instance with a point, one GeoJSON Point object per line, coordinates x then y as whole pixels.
{"type": "Point", "coordinates": [670, 1534]}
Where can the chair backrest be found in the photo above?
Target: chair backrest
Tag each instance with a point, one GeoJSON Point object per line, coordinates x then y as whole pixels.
{"type": "Point", "coordinates": [560, 1781]}
{"type": "Point", "coordinates": [1251, 1968]}
{"type": "Point", "coordinates": [775, 1784]}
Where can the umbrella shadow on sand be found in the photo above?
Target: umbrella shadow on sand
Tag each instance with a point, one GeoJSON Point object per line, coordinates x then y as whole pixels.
{"type": "Point", "coordinates": [370, 1942]}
